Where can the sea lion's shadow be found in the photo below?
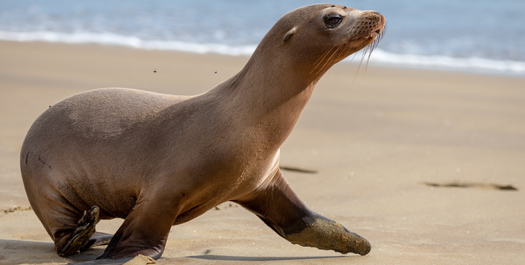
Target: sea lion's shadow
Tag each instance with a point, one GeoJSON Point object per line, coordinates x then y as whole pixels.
{"type": "Point", "coordinates": [41, 252]}
{"type": "Point", "coordinates": [14, 248]}
{"type": "Point", "coordinates": [244, 258]}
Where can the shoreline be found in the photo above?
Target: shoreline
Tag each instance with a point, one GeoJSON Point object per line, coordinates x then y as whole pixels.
{"type": "Point", "coordinates": [437, 62]}
{"type": "Point", "coordinates": [373, 139]}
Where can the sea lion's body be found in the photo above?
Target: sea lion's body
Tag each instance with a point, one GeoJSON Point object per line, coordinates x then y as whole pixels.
{"type": "Point", "coordinates": [116, 160]}
{"type": "Point", "coordinates": [158, 160]}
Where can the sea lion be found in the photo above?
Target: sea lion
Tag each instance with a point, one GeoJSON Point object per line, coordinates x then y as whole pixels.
{"type": "Point", "coordinates": [158, 160]}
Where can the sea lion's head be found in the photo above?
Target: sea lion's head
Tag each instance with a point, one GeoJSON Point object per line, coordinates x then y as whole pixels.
{"type": "Point", "coordinates": [313, 38]}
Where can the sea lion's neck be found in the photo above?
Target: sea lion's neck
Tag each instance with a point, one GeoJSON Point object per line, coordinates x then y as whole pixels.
{"type": "Point", "coordinates": [270, 96]}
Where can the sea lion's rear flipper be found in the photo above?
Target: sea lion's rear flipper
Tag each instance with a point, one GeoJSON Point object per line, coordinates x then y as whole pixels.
{"type": "Point", "coordinates": [280, 208]}
{"type": "Point", "coordinates": [81, 235]}
{"type": "Point", "coordinates": [97, 239]}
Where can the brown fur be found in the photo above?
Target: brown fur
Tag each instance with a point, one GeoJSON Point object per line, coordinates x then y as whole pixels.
{"type": "Point", "coordinates": [159, 160]}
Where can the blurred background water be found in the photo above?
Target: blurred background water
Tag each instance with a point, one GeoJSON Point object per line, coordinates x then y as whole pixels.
{"type": "Point", "coordinates": [481, 36]}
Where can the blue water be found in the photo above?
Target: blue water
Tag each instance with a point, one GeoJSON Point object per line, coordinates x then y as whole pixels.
{"type": "Point", "coordinates": [467, 35]}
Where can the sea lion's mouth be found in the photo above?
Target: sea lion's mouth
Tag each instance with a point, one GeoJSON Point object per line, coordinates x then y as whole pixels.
{"type": "Point", "coordinates": [373, 34]}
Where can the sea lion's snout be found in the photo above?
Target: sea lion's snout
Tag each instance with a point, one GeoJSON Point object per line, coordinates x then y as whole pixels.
{"type": "Point", "coordinates": [370, 25]}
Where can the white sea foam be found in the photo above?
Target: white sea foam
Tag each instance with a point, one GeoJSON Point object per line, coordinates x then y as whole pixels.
{"type": "Point", "coordinates": [128, 41]}
{"type": "Point", "coordinates": [433, 61]}
{"type": "Point", "coordinates": [378, 56]}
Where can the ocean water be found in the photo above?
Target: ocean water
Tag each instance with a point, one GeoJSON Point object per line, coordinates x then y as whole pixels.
{"type": "Point", "coordinates": [467, 35]}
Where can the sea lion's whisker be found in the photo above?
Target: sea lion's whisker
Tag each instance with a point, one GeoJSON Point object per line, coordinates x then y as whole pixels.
{"type": "Point", "coordinates": [321, 59]}
{"type": "Point", "coordinates": [328, 62]}
{"type": "Point", "coordinates": [359, 65]}
{"type": "Point", "coordinates": [324, 60]}
{"type": "Point", "coordinates": [369, 49]}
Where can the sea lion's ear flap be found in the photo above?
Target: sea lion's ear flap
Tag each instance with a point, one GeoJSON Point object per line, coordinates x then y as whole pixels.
{"type": "Point", "coordinates": [290, 34]}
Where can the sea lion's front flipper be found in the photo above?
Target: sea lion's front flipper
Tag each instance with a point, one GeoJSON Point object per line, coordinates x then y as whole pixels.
{"type": "Point", "coordinates": [324, 233]}
{"type": "Point", "coordinates": [145, 230]}
{"type": "Point", "coordinates": [82, 233]}
{"type": "Point", "coordinates": [280, 208]}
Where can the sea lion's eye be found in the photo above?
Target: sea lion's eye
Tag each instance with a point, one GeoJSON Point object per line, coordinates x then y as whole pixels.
{"type": "Point", "coordinates": [333, 20]}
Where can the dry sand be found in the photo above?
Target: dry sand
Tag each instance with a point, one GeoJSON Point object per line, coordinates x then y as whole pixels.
{"type": "Point", "coordinates": [374, 142]}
